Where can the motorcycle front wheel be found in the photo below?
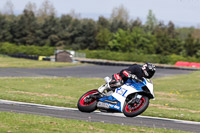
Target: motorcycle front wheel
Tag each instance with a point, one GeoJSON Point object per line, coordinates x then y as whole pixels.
{"type": "Point", "coordinates": [134, 109]}
{"type": "Point", "coordinates": [87, 103]}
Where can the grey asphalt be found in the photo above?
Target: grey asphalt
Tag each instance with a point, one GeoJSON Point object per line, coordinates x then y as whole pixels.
{"type": "Point", "coordinates": [89, 71]}
{"type": "Point", "coordinates": [67, 113]}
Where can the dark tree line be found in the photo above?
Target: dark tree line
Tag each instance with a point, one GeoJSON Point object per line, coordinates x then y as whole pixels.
{"type": "Point", "coordinates": [116, 33]}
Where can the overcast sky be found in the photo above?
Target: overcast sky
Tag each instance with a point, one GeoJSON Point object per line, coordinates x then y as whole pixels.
{"type": "Point", "coordinates": [181, 12]}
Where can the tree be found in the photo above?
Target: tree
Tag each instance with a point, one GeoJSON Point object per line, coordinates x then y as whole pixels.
{"type": "Point", "coordinates": [184, 32]}
{"type": "Point", "coordinates": [191, 46]}
{"type": "Point", "coordinates": [8, 8]}
{"type": "Point", "coordinates": [151, 21]}
{"type": "Point", "coordinates": [74, 31]}
{"type": "Point", "coordinates": [121, 41]}
{"type": "Point", "coordinates": [31, 7]}
{"type": "Point", "coordinates": [171, 30]}
{"type": "Point", "coordinates": [197, 54]}
{"type": "Point", "coordinates": [135, 23]}
{"type": "Point", "coordinates": [73, 14]}
{"type": "Point", "coordinates": [64, 33]}
{"type": "Point", "coordinates": [167, 39]}
{"type": "Point", "coordinates": [119, 18]}
{"type": "Point", "coordinates": [143, 42]}
{"type": "Point", "coordinates": [46, 10]}
{"type": "Point", "coordinates": [88, 31]}
{"type": "Point", "coordinates": [103, 23]}
{"type": "Point", "coordinates": [103, 37]}
{"type": "Point", "coordinates": [5, 29]}
{"type": "Point", "coordinates": [120, 13]}
{"type": "Point", "coordinates": [24, 29]}
{"type": "Point", "coordinates": [49, 31]}
{"type": "Point", "coordinates": [196, 33]}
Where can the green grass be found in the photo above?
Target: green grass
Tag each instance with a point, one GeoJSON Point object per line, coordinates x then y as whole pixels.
{"type": "Point", "coordinates": [23, 123]}
{"type": "Point", "coordinates": [176, 96]}
{"type": "Point", "coordinates": [52, 91]}
{"type": "Point", "coordinates": [10, 62]}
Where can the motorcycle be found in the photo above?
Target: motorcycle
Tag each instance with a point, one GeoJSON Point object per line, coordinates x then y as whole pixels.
{"type": "Point", "coordinates": [132, 98]}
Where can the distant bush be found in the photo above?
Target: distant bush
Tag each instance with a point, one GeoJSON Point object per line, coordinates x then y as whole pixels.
{"type": "Point", "coordinates": [9, 49]}
{"type": "Point", "coordinates": [119, 56]}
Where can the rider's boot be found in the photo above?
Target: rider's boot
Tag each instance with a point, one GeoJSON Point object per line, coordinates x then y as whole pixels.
{"type": "Point", "coordinates": [102, 88]}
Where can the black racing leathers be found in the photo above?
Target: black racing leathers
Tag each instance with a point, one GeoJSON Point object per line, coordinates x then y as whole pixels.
{"type": "Point", "coordinates": [133, 69]}
{"type": "Point", "coordinates": [121, 77]}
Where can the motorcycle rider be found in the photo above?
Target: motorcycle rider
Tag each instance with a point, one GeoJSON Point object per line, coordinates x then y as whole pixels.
{"type": "Point", "coordinates": [135, 72]}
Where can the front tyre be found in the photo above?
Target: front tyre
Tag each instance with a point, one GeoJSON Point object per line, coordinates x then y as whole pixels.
{"type": "Point", "coordinates": [134, 109]}
{"type": "Point", "coordinates": [87, 103]}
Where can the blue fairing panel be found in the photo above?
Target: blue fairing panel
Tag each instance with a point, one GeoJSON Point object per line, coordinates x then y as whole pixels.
{"type": "Point", "coordinates": [137, 86]}
{"type": "Point", "coordinates": [116, 106]}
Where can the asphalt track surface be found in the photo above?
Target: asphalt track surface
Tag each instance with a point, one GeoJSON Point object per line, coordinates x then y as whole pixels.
{"type": "Point", "coordinates": [114, 118]}
{"type": "Point", "coordinates": [90, 71]}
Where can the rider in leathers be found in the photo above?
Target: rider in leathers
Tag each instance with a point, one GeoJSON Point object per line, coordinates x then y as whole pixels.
{"type": "Point", "coordinates": [135, 72]}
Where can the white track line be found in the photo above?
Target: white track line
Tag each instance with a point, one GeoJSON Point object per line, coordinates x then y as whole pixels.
{"type": "Point", "coordinates": [98, 112]}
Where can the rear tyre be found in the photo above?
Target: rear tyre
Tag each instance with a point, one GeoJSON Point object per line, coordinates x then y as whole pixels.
{"type": "Point", "coordinates": [87, 104]}
{"type": "Point", "coordinates": [132, 110]}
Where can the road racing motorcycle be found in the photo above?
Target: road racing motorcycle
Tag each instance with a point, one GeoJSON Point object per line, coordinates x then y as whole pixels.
{"type": "Point", "coordinates": [132, 98]}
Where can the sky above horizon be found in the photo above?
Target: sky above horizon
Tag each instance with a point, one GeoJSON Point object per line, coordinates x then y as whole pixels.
{"type": "Point", "coordinates": [180, 12]}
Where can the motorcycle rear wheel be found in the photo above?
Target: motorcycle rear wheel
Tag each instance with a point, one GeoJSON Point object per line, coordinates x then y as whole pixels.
{"type": "Point", "coordinates": [132, 110]}
{"type": "Point", "coordinates": [85, 106]}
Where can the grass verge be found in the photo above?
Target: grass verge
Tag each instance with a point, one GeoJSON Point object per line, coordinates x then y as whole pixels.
{"type": "Point", "coordinates": [25, 63]}
{"type": "Point", "coordinates": [176, 96]}
{"type": "Point", "coordinates": [23, 123]}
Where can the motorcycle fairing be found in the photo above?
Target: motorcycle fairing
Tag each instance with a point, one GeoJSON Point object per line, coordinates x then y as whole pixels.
{"type": "Point", "coordinates": [135, 85]}
{"type": "Point", "coordinates": [111, 102]}
{"type": "Point", "coordinates": [120, 94]}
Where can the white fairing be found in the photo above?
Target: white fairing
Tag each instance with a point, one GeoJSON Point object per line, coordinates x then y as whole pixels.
{"type": "Point", "coordinates": [149, 85]}
{"type": "Point", "coordinates": [121, 93]}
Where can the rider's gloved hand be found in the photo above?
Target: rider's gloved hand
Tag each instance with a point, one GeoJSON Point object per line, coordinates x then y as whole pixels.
{"type": "Point", "coordinates": [134, 77]}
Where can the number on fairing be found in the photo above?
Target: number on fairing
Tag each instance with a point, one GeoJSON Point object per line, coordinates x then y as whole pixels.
{"type": "Point", "coordinates": [121, 91]}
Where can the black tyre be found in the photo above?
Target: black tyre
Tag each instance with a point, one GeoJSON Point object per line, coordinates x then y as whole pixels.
{"type": "Point", "coordinates": [132, 110]}
{"type": "Point", "coordinates": [87, 105]}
